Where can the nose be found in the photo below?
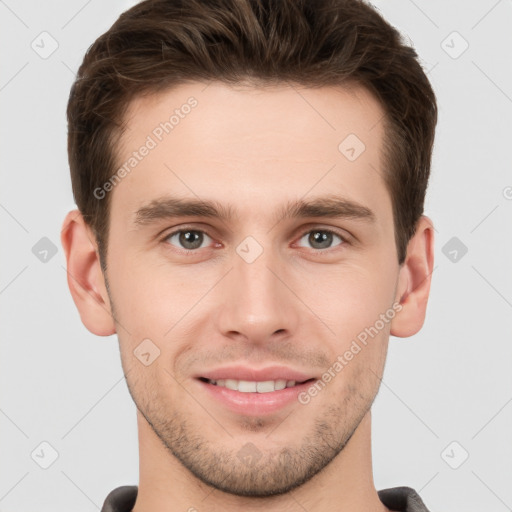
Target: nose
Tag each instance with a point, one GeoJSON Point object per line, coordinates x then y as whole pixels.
{"type": "Point", "coordinates": [259, 305]}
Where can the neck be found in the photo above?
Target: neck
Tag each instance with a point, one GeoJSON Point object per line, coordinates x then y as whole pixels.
{"type": "Point", "coordinates": [346, 484]}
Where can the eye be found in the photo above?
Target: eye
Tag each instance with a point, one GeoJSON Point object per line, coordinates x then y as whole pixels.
{"type": "Point", "coordinates": [321, 238]}
{"type": "Point", "coordinates": [188, 239]}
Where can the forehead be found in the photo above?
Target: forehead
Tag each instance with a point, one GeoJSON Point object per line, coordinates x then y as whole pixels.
{"type": "Point", "coordinates": [256, 112]}
{"type": "Point", "coordinates": [244, 142]}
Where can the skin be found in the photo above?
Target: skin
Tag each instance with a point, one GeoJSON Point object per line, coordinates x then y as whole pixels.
{"type": "Point", "coordinates": [298, 304]}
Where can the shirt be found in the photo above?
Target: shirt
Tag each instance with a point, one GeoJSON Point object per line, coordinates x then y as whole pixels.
{"type": "Point", "coordinates": [400, 499]}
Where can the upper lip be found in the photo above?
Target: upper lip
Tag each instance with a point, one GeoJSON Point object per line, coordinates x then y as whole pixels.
{"type": "Point", "coordinates": [257, 375]}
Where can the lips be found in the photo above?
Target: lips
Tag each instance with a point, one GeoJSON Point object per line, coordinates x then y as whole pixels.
{"type": "Point", "coordinates": [252, 392]}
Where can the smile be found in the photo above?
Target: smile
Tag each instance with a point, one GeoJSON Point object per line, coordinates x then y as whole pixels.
{"type": "Point", "coordinates": [251, 386]}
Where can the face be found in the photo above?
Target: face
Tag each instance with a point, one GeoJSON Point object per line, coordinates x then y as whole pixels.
{"type": "Point", "coordinates": [269, 282]}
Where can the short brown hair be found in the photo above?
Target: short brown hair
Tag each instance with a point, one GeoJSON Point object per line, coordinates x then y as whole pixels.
{"type": "Point", "coordinates": [158, 44]}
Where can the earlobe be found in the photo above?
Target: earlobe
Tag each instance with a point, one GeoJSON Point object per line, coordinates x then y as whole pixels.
{"type": "Point", "coordinates": [414, 281]}
{"type": "Point", "coordinates": [85, 277]}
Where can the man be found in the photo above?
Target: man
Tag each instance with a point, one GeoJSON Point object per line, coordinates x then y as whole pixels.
{"type": "Point", "coordinates": [250, 179]}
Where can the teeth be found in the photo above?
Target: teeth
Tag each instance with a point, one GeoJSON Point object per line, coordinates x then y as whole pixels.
{"type": "Point", "coordinates": [231, 384]}
{"type": "Point", "coordinates": [246, 386]}
{"type": "Point", "coordinates": [280, 384]}
{"type": "Point", "coordinates": [266, 386]}
{"type": "Point", "coordinates": [250, 386]}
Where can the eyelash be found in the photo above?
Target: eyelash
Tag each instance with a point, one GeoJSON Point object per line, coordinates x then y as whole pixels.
{"type": "Point", "coordinates": [196, 230]}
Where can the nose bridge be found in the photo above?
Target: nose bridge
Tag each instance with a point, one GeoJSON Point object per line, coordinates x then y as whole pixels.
{"type": "Point", "coordinates": [256, 280]}
{"type": "Point", "coordinates": [256, 302]}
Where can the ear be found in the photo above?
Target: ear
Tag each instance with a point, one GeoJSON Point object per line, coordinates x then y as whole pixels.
{"type": "Point", "coordinates": [85, 277]}
{"type": "Point", "coordinates": [414, 281]}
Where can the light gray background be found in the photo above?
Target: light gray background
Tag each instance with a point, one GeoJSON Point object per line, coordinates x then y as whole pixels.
{"type": "Point", "coordinates": [450, 382]}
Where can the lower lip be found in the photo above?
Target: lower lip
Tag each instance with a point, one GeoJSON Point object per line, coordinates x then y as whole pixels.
{"type": "Point", "coordinates": [255, 404]}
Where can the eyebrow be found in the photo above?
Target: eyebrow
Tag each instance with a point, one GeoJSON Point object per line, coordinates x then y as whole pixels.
{"type": "Point", "coordinates": [330, 206]}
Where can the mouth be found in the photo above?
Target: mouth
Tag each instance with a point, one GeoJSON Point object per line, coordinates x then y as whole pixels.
{"type": "Point", "coordinates": [253, 392]}
{"type": "Point", "coordinates": [252, 386]}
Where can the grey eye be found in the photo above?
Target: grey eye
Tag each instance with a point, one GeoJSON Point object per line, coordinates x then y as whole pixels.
{"type": "Point", "coordinates": [188, 239]}
{"type": "Point", "coordinates": [320, 238]}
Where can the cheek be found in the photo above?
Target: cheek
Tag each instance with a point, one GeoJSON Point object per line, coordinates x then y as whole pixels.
{"type": "Point", "coordinates": [152, 295]}
{"type": "Point", "coordinates": [348, 297]}
{"type": "Point", "coordinates": [356, 304]}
